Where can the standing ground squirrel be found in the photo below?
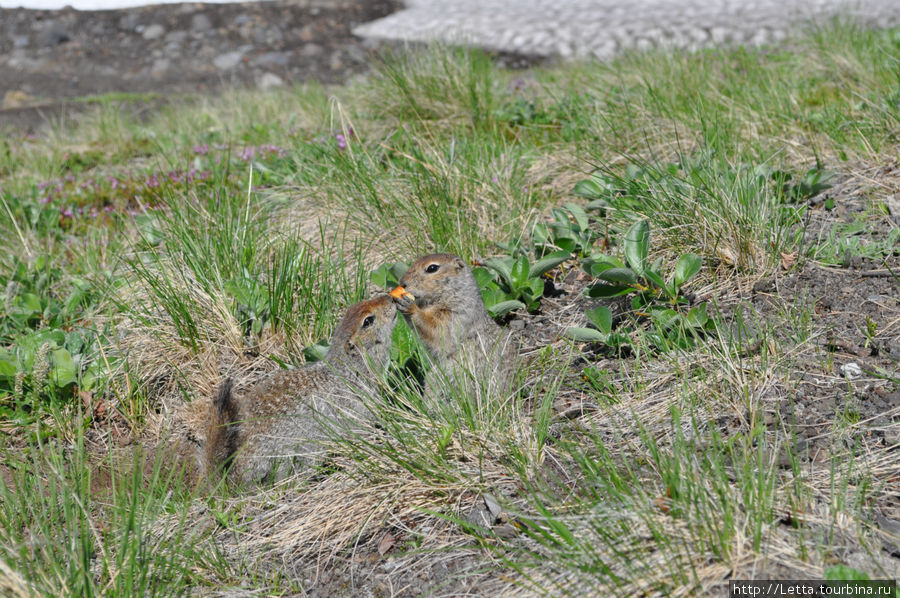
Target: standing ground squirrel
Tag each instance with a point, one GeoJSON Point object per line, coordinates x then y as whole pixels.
{"type": "Point", "coordinates": [440, 298]}
{"type": "Point", "coordinates": [258, 435]}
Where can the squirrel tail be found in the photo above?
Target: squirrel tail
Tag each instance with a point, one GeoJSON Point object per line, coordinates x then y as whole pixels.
{"type": "Point", "coordinates": [221, 430]}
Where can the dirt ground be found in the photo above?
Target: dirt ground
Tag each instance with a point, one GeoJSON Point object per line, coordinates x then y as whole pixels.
{"type": "Point", "coordinates": [49, 57]}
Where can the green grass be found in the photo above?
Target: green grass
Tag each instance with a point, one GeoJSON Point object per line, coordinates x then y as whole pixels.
{"type": "Point", "coordinates": [149, 258]}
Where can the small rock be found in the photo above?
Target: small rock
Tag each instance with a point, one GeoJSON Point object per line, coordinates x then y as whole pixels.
{"type": "Point", "coordinates": [53, 35]}
{"type": "Point", "coordinates": [270, 59]}
{"type": "Point", "coordinates": [270, 80]}
{"type": "Point", "coordinates": [130, 21]}
{"type": "Point", "coordinates": [269, 36]}
{"type": "Point", "coordinates": [485, 513]}
{"type": "Point", "coordinates": [200, 23]}
{"type": "Point", "coordinates": [228, 60]}
{"type": "Point", "coordinates": [241, 20]}
{"type": "Point", "coordinates": [517, 325]}
{"type": "Point", "coordinates": [20, 41]}
{"type": "Point", "coordinates": [311, 50]}
{"type": "Point", "coordinates": [851, 370]}
{"type": "Point", "coordinates": [160, 65]}
{"type": "Point", "coordinates": [307, 33]}
{"type": "Point", "coordinates": [154, 31]}
{"type": "Point", "coordinates": [176, 37]}
{"type": "Point", "coordinates": [492, 505]}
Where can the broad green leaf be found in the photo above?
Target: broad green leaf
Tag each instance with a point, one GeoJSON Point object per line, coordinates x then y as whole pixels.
{"type": "Point", "coordinates": [664, 318]}
{"type": "Point", "coordinates": [600, 317]}
{"type": "Point", "coordinates": [483, 277]}
{"type": "Point", "coordinates": [316, 352]}
{"type": "Point", "coordinates": [637, 246]}
{"type": "Point", "coordinates": [540, 234]}
{"type": "Point", "coordinates": [597, 263]}
{"type": "Point", "coordinates": [687, 267]}
{"type": "Point", "coordinates": [845, 572]}
{"type": "Point", "coordinates": [617, 340]}
{"type": "Point", "coordinates": [619, 275]}
{"type": "Point", "coordinates": [697, 316]}
{"type": "Point", "coordinates": [657, 280]}
{"type": "Point", "coordinates": [493, 295]}
{"type": "Point", "coordinates": [567, 244]}
{"type": "Point", "coordinates": [548, 262]}
{"type": "Point", "coordinates": [504, 307]}
{"type": "Point", "coordinates": [519, 273]}
{"type": "Point", "coordinates": [578, 213]}
{"type": "Point", "coordinates": [64, 370]}
{"type": "Point", "coordinates": [30, 304]}
{"type": "Point", "coordinates": [535, 288]}
{"type": "Point", "coordinates": [589, 188]}
{"type": "Point", "coordinates": [8, 367]}
{"type": "Point", "coordinates": [600, 290]}
{"type": "Point", "coordinates": [585, 335]}
{"type": "Point", "coordinates": [382, 277]}
{"type": "Point", "coordinates": [503, 267]}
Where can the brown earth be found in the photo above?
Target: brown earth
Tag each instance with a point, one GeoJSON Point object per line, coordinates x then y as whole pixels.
{"type": "Point", "coordinates": [47, 58]}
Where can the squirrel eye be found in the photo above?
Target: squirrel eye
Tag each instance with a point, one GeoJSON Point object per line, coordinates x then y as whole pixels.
{"type": "Point", "coordinates": [368, 321]}
{"type": "Point", "coordinates": [432, 268]}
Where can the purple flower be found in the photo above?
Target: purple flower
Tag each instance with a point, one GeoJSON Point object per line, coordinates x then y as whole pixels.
{"type": "Point", "coordinates": [495, 180]}
{"type": "Point", "coordinates": [44, 200]}
{"type": "Point", "coordinates": [67, 213]}
{"type": "Point", "coordinates": [201, 149]}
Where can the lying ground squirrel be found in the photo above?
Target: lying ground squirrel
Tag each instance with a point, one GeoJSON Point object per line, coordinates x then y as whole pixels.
{"type": "Point", "coordinates": [258, 436]}
{"type": "Point", "coordinates": [440, 298]}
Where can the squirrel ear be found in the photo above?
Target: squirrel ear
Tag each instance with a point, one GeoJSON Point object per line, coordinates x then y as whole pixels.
{"type": "Point", "coordinates": [459, 263]}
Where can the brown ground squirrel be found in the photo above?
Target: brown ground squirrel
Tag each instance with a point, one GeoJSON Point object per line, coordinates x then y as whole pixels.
{"type": "Point", "coordinates": [259, 435]}
{"type": "Point", "coordinates": [440, 298]}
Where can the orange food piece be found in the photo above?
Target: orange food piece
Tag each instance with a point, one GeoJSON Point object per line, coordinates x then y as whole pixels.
{"type": "Point", "coordinates": [398, 292]}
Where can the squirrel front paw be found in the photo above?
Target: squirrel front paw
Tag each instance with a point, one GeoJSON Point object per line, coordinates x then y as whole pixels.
{"type": "Point", "coordinates": [404, 299]}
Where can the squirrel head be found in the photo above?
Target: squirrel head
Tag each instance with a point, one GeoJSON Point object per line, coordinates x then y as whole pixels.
{"type": "Point", "coordinates": [365, 332]}
{"type": "Point", "coordinates": [441, 278]}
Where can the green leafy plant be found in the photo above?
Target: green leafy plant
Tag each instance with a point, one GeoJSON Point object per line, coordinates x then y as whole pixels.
{"type": "Point", "coordinates": [570, 230]}
{"type": "Point", "coordinates": [509, 283]}
{"type": "Point", "coordinates": [656, 297]}
{"type": "Point", "coordinates": [387, 276]}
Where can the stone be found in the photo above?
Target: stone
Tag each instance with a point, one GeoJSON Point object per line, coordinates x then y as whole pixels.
{"type": "Point", "coordinates": [270, 59]}
{"type": "Point", "coordinates": [160, 65]}
{"type": "Point", "coordinates": [20, 41]}
{"type": "Point", "coordinates": [228, 60]}
{"type": "Point", "coordinates": [242, 20]}
{"type": "Point", "coordinates": [154, 31]}
{"type": "Point", "coordinates": [851, 370]}
{"type": "Point", "coordinates": [130, 21]}
{"type": "Point", "coordinates": [200, 23]}
{"type": "Point", "coordinates": [270, 80]}
{"type": "Point", "coordinates": [269, 36]}
{"type": "Point", "coordinates": [179, 36]}
{"type": "Point", "coordinates": [52, 35]}
{"type": "Point", "coordinates": [311, 50]}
